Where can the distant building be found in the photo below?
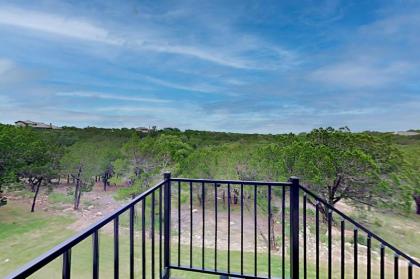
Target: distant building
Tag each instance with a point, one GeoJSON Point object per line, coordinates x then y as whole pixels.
{"type": "Point", "coordinates": [143, 129]}
{"type": "Point", "coordinates": [406, 133]}
{"type": "Point", "coordinates": [38, 125]}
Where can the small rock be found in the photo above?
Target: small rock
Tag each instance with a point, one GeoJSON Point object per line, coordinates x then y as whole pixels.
{"type": "Point", "coordinates": [232, 223]}
{"type": "Point", "coordinates": [6, 260]}
{"type": "Point", "coordinates": [90, 207]}
{"type": "Point", "coordinates": [99, 213]}
{"type": "Point", "coordinates": [195, 210]}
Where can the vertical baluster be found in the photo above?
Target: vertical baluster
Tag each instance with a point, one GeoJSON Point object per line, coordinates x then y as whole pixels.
{"type": "Point", "coordinates": [95, 242]}
{"type": "Point", "coordinates": [396, 269]}
{"type": "Point", "coordinates": [203, 201]}
{"type": "Point", "coordinates": [317, 239]}
{"type": "Point", "coordinates": [269, 230]}
{"type": "Point", "coordinates": [305, 274]}
{"type": "Point", "coordinates": [382, 264]}
{"type": "Point", "coordinates": [116, 248]}
{"type": "Point", "coordinates": [215, 226]}
{"type": "Point", "coordinates": [66, 264]}
{"type": "Point", "coordinates": [329, 244]}
{"type": "Point", "coordinates": [356, 253]}
{"type": "Point", "coordinates": [160, 232]}
{"type": "Point", "coordinates": [242, 228]}
{"type": "Point", "coordinates": [167, 223]}
{"type": "Point", "coordinates": [179, 223]}
{"type": "Point", "coordinates": [152, 231]}
{"type": "Point", "coordinates": [368, 255]}
{"type": "Point", "coordinates": [410, 270]}
{"type": "Point", "coordinates": [191, 225]}
{"type": "Point", "coordinates": [255, 232]}
{"type": "Point", "coordinates": [228, 256]}
{"type": "Point", "coordinates": [143, 238]}
{"type": "Point", "coordinates": [131, 232]}
{"type": "Point", "coordinates": [294, 227]}
{"type": "Point", "coordinates": [283, 231]}
{"type": "Point", "coordinates": [343, 249]}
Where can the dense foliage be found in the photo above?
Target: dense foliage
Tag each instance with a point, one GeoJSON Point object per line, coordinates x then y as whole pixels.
{"type": "Point", "coordinates": [373, 169]}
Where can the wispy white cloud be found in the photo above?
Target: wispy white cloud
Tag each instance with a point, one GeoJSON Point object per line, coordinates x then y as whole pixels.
{"type": "Point", "coordinates": [200, 52]}
{"type": "Point", "coordinates": [360, 74]}
{"type": "Point", "coordinates": [106, 96]}
{"type": "Point", "coordinates": [10, 73]}
{"type": "Point", "coordinates": [151, 40]}
{"type": "Point", "coordinates": [204, 88]}
{"type": "Point", "coordinates": [5, 66]}
{"type": "Point", "coordinates": [55, 24]}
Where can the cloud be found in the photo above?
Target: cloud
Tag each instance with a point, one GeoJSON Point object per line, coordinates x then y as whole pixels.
{"type": "Point", "coordinates": [360, 74]}
{"type": "Point", "coordinates": [58, 25]}
{"type": "Point", "coordinates": [117, 97]}
{"type": "Point", "coordinates": [5, 66]}
{"type": "Point", "coordinates": [204, 88]}
{"type": "Point", "coordinates": [217, 56]}
{"type": "Point", "coordinates": [156, 40]}
{"type": "Point", "coordinates": [12, 74]}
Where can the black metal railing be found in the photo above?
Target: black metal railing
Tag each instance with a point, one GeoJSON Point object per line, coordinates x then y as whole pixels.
{"type": "Point", "coordinates": [230, 228]}
{"type": "Point", "coordinates": [154, 252]}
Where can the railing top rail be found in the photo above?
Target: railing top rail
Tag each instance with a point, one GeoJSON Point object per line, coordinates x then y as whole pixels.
{"type": "Point", "coordinates": [360, 226]}
{"type": "Point", "coordinates": [238, 182]}
{"type": "Point", "coordinates": [58, 250]}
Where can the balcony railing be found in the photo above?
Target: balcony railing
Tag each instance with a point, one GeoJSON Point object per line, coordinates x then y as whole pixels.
{"type": "Point", "coordinates": [239, 229]}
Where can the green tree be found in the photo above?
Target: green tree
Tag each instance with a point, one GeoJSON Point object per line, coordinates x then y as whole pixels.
{"type": "Point", "coordinates": [27, 155]}
{"type": "Point", "coordinates": [412, 173]}
{"type": "Point", "coordinates": [338, 165]}
{"type": "Point", "coordinates": [81, 163]}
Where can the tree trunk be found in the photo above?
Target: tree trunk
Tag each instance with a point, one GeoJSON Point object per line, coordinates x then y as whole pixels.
{"type": "Point", "coordinates": [105, 181]}
{"type": "Point", "coordinates": [79, 195]}
{"type": "Point", "coordinates": [273, 235]}
{"type": "Point", "coordinates": [32, 183]}
{"type": "Point", "coordinates": [38, 184]}
{"type": "Point", "coordinates": [78, 189]}
{"type": "Point", "coordinates": [417, 199]}
{"type": "Point", "coordinates": [76, 194]}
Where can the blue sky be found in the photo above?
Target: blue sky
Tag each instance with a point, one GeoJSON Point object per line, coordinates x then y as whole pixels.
{"type": "Point", "coordinates": [243, 66]}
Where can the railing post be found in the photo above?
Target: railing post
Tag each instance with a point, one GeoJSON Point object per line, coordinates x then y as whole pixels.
{"type": "Point", "coordinates": [294, 228]}
{"type": "Point", "coordinates": [167, 224]}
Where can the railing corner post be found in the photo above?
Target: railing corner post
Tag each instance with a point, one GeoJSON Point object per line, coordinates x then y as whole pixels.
{"type": "Point", "coordinates": [294, 227]}
{"type": "Point", "coordinates": [167, 224]}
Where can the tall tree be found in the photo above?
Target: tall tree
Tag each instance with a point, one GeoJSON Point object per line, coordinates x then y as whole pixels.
{"type": "Point", "coordinates": [79, 161]}
{"type": "Point", "coordinates": [26, 155]}
{"type": "Point", "coordinates": [338, 165]}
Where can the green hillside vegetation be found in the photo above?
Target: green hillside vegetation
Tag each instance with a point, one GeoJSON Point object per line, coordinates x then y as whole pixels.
{"type": "Point", "coordinates": [366, 169]}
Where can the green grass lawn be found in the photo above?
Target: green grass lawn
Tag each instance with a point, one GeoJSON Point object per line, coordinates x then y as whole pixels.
{"type": "Point", "coordinates": [25, 235]}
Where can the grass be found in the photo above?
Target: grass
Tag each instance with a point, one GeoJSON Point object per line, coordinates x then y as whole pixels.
{"type": "Point", "coordinates": [25, 235]}
{"type": "Point", "coordinates": [56, 197]}
{"type": "Point", "coordinates": [402, 231]}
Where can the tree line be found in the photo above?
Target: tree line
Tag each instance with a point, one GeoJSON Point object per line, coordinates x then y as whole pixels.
{"type": "Point", "coordinates": [366, 169]}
